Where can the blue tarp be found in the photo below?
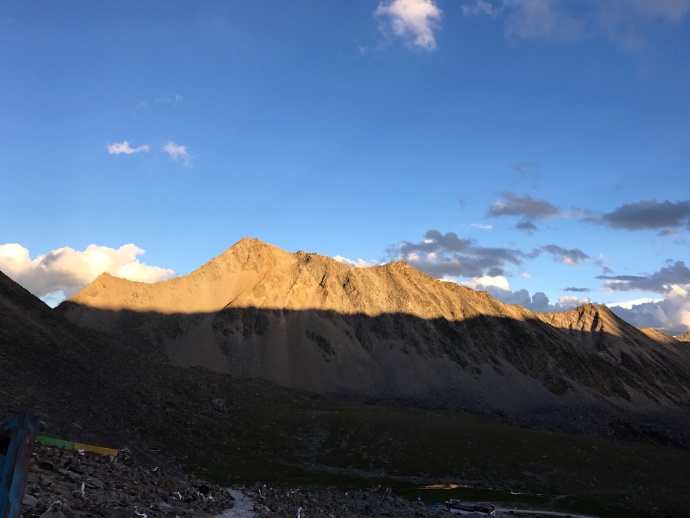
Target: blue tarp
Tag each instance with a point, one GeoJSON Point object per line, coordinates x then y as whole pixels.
{"type": "Point", "coordinates": [16, 444]}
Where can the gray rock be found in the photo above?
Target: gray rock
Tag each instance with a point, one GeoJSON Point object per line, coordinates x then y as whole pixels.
{"type": "Point", "coordinates": [219, 406]}
{"type": "Point", "coordinates": [70, 474]}
{"type": "Point", "coordinates": [165, 507]}
{"type": "Point", "coordinates": [46, 481]}
{"type": "Point", "coordinates": [29, 500]}
{"type": "Point", "coordinates": [94, 483]}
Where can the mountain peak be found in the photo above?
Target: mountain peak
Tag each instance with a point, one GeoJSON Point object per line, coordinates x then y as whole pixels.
{"type": "Point", "coordinates": [308, 321]}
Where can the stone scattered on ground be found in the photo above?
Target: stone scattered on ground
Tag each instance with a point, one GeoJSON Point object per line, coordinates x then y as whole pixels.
{"type": "Point", "coordinates": [66, 483]}
{"type": "Point", "coordinates": [327, 503]}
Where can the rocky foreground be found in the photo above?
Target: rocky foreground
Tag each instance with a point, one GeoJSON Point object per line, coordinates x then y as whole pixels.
{"type": "Point", "coordinates": [63, 483]}
{"type": "Point", "coordinates": [335, 504]}
{"type": "Point", "coordinates": [66, 483]}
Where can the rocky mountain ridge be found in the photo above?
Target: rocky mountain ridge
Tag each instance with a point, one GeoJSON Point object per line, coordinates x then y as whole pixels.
{"type": "Point", "coordinates": [386, 333]}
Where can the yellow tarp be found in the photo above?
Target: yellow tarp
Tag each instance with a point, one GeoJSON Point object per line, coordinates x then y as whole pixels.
{"type": "Point", "coordinates": [96, 449]}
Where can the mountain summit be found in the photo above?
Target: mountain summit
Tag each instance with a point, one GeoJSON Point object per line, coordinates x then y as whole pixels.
{"type": "Point", "coordinates": [386, 333]}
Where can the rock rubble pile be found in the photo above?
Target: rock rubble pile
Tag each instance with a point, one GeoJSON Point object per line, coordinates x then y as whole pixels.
{"type": "Point", "coordinates": [67, 483]}
{"type": "Point", "coordinates": [326, 503]}
{"type": "Point", "coordinates": [64, 483]}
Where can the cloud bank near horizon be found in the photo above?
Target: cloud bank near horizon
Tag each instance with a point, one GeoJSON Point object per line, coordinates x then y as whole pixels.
{"type": "Point", "coordinates": [63, 272]}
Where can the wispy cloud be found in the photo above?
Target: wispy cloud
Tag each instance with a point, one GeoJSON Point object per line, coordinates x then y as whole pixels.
{"type": "Point", "coordinates": [571, 257]}
{"type": "Point", "coordinates": [626, 23]}
{"type": "Point", "coordinates": [574, 289]}
{"type": "Point", "coordinates": [480, 7]}
{"type": "Point", "coordinates": [170, 99]}
{"type": "Point", "coordinates": [123, 148]}
{"type": "Point", "coordinates": [481, 227]}
{"type": "Point", "coordinates": [414, 20]}
{"type": "Point", "coordinates": [173, 100]}
{"type": "Point", "coordinates": [530, 19]}
{"type": "Point", "coordinates": [527, 171]}
{"type": "Point", "coordinates": [668, 10]}
{"type": "Point", "coordinates": [525, 207]}
{"type": "Point", "coordinates": [178, 152]}
{"type": "Point", "coordinates": [67, 270]}
{"type": "Point", "coordinates": [667, 217]}
{"type": "Point", "coordinates": [526, 226]}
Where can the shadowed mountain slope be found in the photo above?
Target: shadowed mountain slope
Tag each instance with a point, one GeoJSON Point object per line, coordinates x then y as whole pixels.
{"type": "Point", "coordinates": [63, 373]}
{"type": "Point", "coordinates": [387, 333]}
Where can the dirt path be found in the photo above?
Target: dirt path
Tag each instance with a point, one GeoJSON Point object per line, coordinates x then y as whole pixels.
{"type": "Point", "coordinates": [243, 508]}
{"type": "Point", "coordinates": [503, 511]}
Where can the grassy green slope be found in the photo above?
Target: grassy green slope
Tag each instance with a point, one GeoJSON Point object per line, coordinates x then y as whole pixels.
{"type": "Point", "coordinates": [287, 437]}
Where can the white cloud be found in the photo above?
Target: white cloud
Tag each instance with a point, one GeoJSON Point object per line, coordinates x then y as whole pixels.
{"type": "Point", "coordinates": [670, 314]}
{"type": "Point", "coordinates": [360, 263]}
{"type": "Point", "coordinates": [570, 301]}
{"type": "Point", "coordinates": [482, 282]}
{"type": "Point", "coordinates": [177, 152]}
{"type": "Point", "coordinates": [482, 227]}
{"type": "Point", "coordinates": [67, 270]}
{"type": "Point", "coordinates": [628, 304]}
{"type": "Point", "coordinates": [677, 305]}
{"type": "Point", "coordinates": [123, 148]}
{"type": "Point", "coordinates": [413, 19]}
{"type": "Point", "coordinates": [499, 288]}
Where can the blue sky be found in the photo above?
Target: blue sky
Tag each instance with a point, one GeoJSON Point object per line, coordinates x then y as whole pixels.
{"type": "Point", "coordinates": [538, 149]}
